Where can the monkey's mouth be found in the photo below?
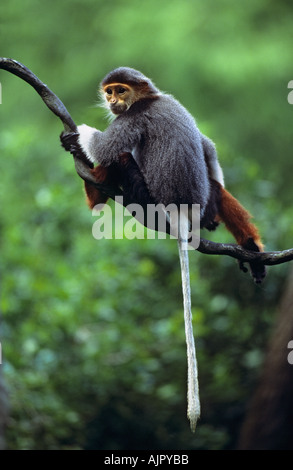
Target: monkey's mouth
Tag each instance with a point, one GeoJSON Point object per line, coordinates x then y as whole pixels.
{"type": "Point", "coordinates": [118, 108]}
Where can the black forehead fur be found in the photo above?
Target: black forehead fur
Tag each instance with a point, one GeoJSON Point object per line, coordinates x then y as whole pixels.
{"type": "Point", "coordinates": [127, 75]}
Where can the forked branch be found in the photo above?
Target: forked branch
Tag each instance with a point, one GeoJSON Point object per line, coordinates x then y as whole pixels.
{"type": "Point", "coordinates": [83, 169]}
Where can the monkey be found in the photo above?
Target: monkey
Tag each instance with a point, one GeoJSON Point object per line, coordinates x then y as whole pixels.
{"type": "Point", "coordinates": [121, 89]}
{"type": "Point", "coordinates": [155, 139]}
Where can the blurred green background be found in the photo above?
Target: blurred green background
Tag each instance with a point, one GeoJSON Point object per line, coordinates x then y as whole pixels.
{"type": "Point", "coordinates": [92, 331]}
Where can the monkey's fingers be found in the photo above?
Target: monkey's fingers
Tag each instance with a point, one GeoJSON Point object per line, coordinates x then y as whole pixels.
{"type": "Point", "coordinates": [257, 268]}
{"type": "Point", "coordinates": [68, 140]}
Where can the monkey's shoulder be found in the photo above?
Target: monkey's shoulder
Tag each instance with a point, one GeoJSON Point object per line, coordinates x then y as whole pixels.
{"type": "Point", "coordinates": [162, 107]}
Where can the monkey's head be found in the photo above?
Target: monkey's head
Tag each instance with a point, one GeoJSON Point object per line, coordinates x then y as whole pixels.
{"type": "Point", "coordinates": [124, 86]}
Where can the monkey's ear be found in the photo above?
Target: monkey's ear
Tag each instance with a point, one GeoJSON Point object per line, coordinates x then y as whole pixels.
{"type": "Point", "coordinates": [143, 85]}
{"type": "Point", "coordinates": [147, 87]}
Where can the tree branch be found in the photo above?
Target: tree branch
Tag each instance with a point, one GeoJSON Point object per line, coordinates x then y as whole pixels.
{"type": "Point", "coordinates": [269, 258]}
{"type": "Point", "coordinates": [83, 169]}
{"type": "Point", "coordinates": [49, 98]}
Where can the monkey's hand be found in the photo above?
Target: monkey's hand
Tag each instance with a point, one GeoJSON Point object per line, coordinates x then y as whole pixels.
{"type": "Point", "coordinates": [69, 142]}
{"type": "Point", "coordinates": [257, 268]}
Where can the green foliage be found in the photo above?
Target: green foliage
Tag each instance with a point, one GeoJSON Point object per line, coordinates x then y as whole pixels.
{"type": "Point", "coordinates": [93, 338]}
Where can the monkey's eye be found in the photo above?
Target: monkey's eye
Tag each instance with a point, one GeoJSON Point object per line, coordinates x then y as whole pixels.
{"type": "Point", "coordinates": [121, 90]}
{"type": "Point", "coordinates": [109, 91]}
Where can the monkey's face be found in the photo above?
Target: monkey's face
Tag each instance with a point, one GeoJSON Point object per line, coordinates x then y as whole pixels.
{"type": "Point", "coordinates": [119, 97]}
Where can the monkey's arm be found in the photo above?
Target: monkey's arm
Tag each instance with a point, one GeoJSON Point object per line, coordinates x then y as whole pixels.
{"type": "Point", "coordinates": [105, 147]}
{"type": "Point", "coordinates": [124, 173]}
{"type": "Point", "coordinates": [132, 181]}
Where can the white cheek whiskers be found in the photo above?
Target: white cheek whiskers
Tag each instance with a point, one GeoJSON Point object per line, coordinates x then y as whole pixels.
{"type": "Point", "coordinates": [103, 103]}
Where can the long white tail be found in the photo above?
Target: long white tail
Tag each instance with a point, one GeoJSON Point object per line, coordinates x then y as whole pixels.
{"type": "Point", "coordinates": [193, 402]}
